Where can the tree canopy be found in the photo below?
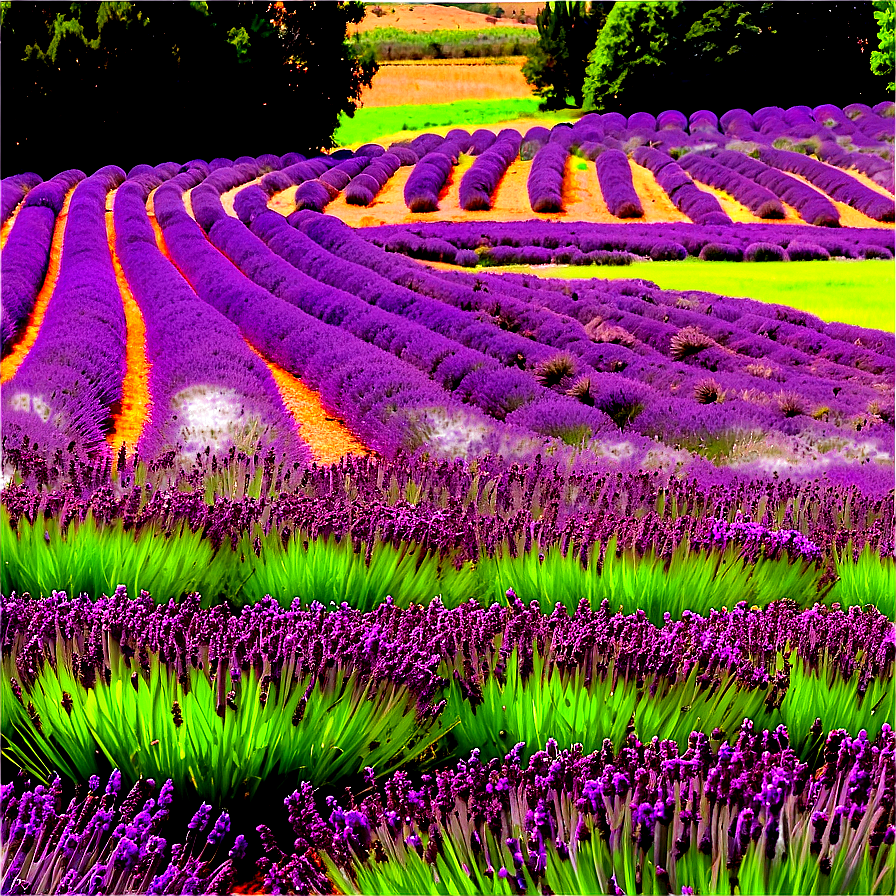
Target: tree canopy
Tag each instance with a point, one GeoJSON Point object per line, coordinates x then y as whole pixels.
{"type": "Point", "coordinates": [669, 54]}
{"type": "Point", "coordinates": [882, 61]}
{"type": "Point", "coordinates": [129, 82]}
{"type": "Point", "coordinates": [556, 65]}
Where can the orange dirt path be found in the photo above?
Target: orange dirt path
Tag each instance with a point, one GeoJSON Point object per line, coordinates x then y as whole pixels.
{"type": "Point", "coordinates": [135, 397]}
{"type": "Point", "coordinates": [327, 438]}
{"type": "Point", "coordinates": [423, 84]}
{"type": "Point", "coordinates": [7, 224]}
{"type": "Point", "coordinates": [658, 207]}
{"type": "Point", "coordinates": [862, 179]}
{"type": "Point", "coordinates": [849, 217]}
{"type": "Point", "coordinates": [740, 214]}
{"type": "Point", "coordinates": [13, 360]}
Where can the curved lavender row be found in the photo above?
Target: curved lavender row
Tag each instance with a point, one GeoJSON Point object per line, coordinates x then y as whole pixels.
{"type": "Point", "coordinates": [103, 843]}
{"type": "Point", "coordinates": [432, 296]}
{"type": "Point", "coordinates": [481, 140]}
{"type": "Point", "coordinates": [13, 190]}
{"type": "Point", "coordinates": [545, 181]}
{"type": "Point", "coordinates": [661, 337]}
{"type": "Point", "coordinates": [839, 185]}
{"type": "Point", "coordinates": [365, 187]}
{"type": "Point", "coordinates": [700, 207]}
{"type": "Point", "coordinates": [317, 194]}
{"type": "Point", "coordinates": [481, 180]}
{"type": "Point", "coordinates": [70, 384]}
{"type": "Point", "coordinates": [569, 823]}
{"type": "Point", "coordinates": [876, 168]}
{"type": "Point", "coordinates": [26, 256]}
{"type": "Point", "coordinates": [482, 380]}
{"type": "Point", "coordinates": [207, 388]}
{"type": "Point", "coordinates": [149, 177]}
{"type": "Point", "coordinates": [51, 193]}
{"type": "Point", "coordinates": [615, 178]}
{"type": "Point", "coordinates": [421, 192]}
{"type": "Point", "coordinates": [387, 403]}
{"type": "Point", "coordinates": [846, 242]}
{"type": "Point", "coordinates": [813, 207]}
{"type": "Point", "coordinates": [762, 202]}
{"type": "Point", "coordinates": [405, 154]}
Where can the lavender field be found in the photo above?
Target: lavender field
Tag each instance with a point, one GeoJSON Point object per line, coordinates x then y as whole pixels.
{"type": "Point", "coordinates": [336, 562]}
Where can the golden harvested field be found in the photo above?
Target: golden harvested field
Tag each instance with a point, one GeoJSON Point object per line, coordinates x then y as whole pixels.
{"type": "Point", "coordinates": [423, 83]}
{"type": "Point", "coordinates": [434, 17]}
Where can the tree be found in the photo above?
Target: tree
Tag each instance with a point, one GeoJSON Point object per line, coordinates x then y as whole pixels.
{"type": "Point", "coordinates": [131, 82]}
{"type": "Point", "coordinates": [691, 55]}
{"type": "Point", "coordinates": [556, 64]}
{"type": "Point", "coordinates": [882, 58]}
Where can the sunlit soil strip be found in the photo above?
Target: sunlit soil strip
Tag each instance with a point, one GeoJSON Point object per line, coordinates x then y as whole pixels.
{"type": "Point", "coordinates": [135, 399]}
{"type": "Point", "coordinates": [326, 437]}
{"type": "Point", "coordinates": [13, 360]}
{"type": "Point", "coordinates": [862, 178]}
{"type": "Point", "coordinates": [740, 214]}
{"type": "Point", "coordinates": [7, 224]}
{"type": "Point", "coordinates": [188, 203]}
{"type": "Point", "coordinates": [284, 202]}
{"type": "Point", "coordinates": [654, 199]}
{"type": "Point", "coordinates": [849, 217]}
{"type": "Point", "coordinates": [228, 198]}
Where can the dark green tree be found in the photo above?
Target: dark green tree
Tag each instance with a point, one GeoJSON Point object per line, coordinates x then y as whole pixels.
{"type": "Point", "coordinates": [556, 65]}
{"type": "Point", "coordinates": [131, 82]}
{"type": "Point", "coordinates": [691, 55]}
{"type": "Point", "coordinates": [882, 60]}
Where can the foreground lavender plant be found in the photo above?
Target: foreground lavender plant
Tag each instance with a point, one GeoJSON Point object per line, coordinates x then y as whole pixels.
{"type": "Point", "coordinates": [650, 818]}
{"type": "Point", "coordinates": [217, 703]}
{"type": "Point", "coordinates": [101, 844]}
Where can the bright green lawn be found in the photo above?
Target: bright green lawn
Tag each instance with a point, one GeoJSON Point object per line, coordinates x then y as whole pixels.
{"type": "Point", "coordinates": [854, 292]}
{"type": "Point", "coordinates": [373, 123]}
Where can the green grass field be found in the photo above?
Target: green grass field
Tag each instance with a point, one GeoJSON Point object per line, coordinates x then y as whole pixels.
{"type": "Point", "coordinates": [373, 124]}
{"type": "Point", "coordinates": [395, 43]}
{"type": "Point", "coordinates": [854, 292]}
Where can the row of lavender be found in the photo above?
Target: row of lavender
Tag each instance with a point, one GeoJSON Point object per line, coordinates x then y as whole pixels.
{"type": "Point", "coordinates": [436, 372]}
{"type": "Point", "coordinates": [655, 141]}
{"type": "Point", "coordinates": [275, 678]}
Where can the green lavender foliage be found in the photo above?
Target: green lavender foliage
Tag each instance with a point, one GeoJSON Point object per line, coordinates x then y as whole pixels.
{"type": "Point", "coordinates": [569, 708]}
{"type": "Point", "coordinates": [91, 559]}
{"type": "Point", "coordinates": [131, 721]}
{"type": "Point", "coordinates": [690, 580]}
{"type": "Point", "coordinates": [868, 579]}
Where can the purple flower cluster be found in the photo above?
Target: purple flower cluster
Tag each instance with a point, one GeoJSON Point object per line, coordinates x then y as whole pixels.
{"type": "Point", "coordinates": [69, 385]}
{"type": "Point", "coordinates": [615, 178]}
{"type": "Point", "coordinates": [640, 239]}
{"type": "Point", "coordinates": [566, 820]}
{"type": "Point", "coordinates": [208, 390]}
{"type": "Point", "coordinates": [317, 194]}
{"type": "Point", "coordinates": [545, 182]}
{"type": "Point", "coordinates": [481, 180]}
{"type": "Point", "coordinates": [762, 202]}
{"type": "Point", "coordinates": [699, 206]}
{"type": "Point", "coordinates": [386, 402]}
{"type": "Point", "coordinates": [26, 256]}
{"type": "Point", "coordinates": [13, 190]}
{"type": "Point", "coordinates": [101, 843]}
{"type": "Point", "coordinates": [437, 157]}
{"type": "Point", "coordinates": [835, 183]}
{"type": "Point", "coordinates": [365, 187]}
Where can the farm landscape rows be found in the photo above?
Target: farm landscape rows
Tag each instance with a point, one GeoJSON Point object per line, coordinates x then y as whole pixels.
{"type": "Point", "coordinates": [328, 567]}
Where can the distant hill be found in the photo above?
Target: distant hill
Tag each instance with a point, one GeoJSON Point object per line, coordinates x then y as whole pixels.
{"type": "Point", "coordinates": [440, 16]}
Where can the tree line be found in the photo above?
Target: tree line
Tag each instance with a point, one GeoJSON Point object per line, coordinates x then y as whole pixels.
{"type": "Point", "coordinates": [661, 54]}
{"type": "Point", "coordinates": [87, 84]}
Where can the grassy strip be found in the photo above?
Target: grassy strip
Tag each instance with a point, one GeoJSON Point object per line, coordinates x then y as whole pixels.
{"type": "Point", "coordinates": [94, 560]}
{"type": "Point", "coordinates": [852, 292]}
{"type": "Point", "coordinates": [404, 122]}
